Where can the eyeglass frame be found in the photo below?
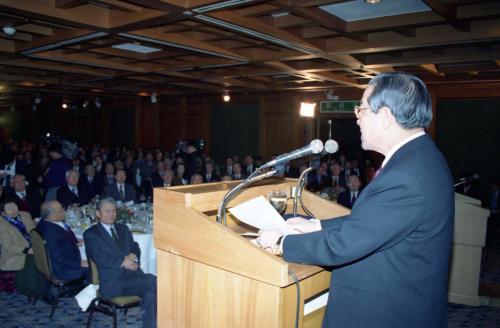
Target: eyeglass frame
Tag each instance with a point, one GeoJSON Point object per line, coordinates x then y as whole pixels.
{"type": "Point", "coordinates": [358, 110]}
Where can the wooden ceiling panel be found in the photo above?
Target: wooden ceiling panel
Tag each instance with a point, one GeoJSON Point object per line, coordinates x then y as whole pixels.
{"type": "Point", "coordinates": [205, 46]}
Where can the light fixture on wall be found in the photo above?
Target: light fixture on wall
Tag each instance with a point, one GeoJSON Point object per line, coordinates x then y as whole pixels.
{"type": "Point", "coordinates": [226, 97]}
{"type": "Point", "coordinates": [38, 99]}
{"type": "Point", "coordinates": [153, 98]}
{"type": "Point", "coordinates": [307, 109]}
{"type": "Point", "coordinates": [9, 30]}
{"type": "Point", "coordinates": [64, 105]}
{"type": "Point", "coordinates": [97, 103]}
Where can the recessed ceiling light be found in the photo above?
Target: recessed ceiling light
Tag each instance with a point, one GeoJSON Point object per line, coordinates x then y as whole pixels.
{"type": "Point", "coordinates": [372, 2]}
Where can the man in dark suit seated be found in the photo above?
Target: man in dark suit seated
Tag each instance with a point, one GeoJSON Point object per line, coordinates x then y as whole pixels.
{"type": "Point", "coordinates": [120, 191]}
{"type": "Point", "coordinates": [348, 198]}
{"type": "Point", "coordinates": [111, 246]}
{"type": "Point", "coordinates": [27, 199]}
{"type": "Point", "coordinates": [70, 193]}
{"type": "Point", "coordinates": [92, 182]}
{"type": "Point", "coordinates": [209, 175]}
{"type": "Point", "coordinates": [237, 174]}
{"type": "Point", "coordinates": [317, 179]}
{"type": "Point", "coordinates": [391, 254]}
{"type": "Point", "coordinates": [61, 243]}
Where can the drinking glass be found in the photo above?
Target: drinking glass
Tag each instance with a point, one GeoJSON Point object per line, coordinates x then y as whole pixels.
{"type": "Point", "coordinates": [278, 200]}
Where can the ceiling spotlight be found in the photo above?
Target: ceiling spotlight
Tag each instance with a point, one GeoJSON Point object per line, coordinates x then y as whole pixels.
{"type": "Point", "coordinates": [373, 2]}
{"type": "Point", "coordinates": [307, 109]}
{"type": "Point", "coordinates": [226, 97]}
{"type": "Point", "coordinates": [85, 104]}
{"type": "Point", "coordinates": [153, 98]}
{"type": "Point", "coordinates": [9, 30]}
{"type": "Point", "coordinates": [97, 103]}
{"type": "Point", "coordinates": [64, 105]}
{"type": "Point", "coordinates": [38, 99]}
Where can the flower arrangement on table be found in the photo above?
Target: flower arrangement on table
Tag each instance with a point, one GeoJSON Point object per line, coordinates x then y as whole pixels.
{"type": "Point", "coordinates": [124, 215]}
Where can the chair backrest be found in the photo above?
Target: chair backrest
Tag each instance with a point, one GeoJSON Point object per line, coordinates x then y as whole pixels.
{"type": "Point", "coordinates": [40, 252]}
{"type": "Point", "coordinates": [93, 272]}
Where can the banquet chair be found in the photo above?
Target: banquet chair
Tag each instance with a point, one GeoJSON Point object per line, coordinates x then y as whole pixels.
{"type": "Point", "coordinates": [109, 306]}
{"type": "Point", "coordinates": [42, 262]}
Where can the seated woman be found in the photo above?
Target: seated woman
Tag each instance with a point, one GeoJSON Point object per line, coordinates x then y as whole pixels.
{"type": "Point", "coordinates": [16, 254]}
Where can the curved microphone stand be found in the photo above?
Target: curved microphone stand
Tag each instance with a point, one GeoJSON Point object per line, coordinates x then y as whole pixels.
{"type": "Point", "coordinates": [298, 192]}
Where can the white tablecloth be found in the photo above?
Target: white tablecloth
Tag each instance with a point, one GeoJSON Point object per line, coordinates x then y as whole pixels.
{"type": "Point", "coordinates": [148, 251]}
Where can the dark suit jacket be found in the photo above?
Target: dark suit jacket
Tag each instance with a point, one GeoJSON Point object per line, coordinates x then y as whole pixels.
{"type": "Point", "coordinates": [314, 185]}
{"type": "Point", "coordinates": [213, 178]}
{"type": "Point", "coordinates": [112, 191]}
{"type": "Point", "coordinates": [66, 197]}
{"type": "Point", "coordinates": [108, 256]}
{"type": "Point", "coordinates": [31, 204]}
{"type": "Point", "coordinates": [94, 188]}
{"type": "Point", "coordinates": [345, 199]}
{"type": "Point", "coordinates": [63, 250]}
{"type": "Point", "coordinates": [392, 252]}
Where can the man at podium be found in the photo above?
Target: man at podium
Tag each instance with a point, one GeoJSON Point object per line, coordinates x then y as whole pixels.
{"type": "Point", "coordinates": [391, 254]}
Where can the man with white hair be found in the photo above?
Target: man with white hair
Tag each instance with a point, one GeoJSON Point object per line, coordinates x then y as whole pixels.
{"type": "Point", "coordinates": [70, 193]}
{"type": "Point", "coordinates": [27, 199]}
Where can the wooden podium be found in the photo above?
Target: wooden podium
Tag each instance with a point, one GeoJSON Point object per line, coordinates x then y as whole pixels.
{"type": "Point", "coordinates": [211, 276]}
{"type": "Point", "coordinates": [469, 238]}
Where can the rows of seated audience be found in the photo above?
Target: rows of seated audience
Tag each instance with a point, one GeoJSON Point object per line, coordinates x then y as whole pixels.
{"type": "Point", "coordinates": [37, 181]}
{"type": "Point", "coordinates": [31, 173]}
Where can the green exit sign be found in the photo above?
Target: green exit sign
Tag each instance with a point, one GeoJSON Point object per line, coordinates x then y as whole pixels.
{"type": "Point", "coordinates": [338, 106]}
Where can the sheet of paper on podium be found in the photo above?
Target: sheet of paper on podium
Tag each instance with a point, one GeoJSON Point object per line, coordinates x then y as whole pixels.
{"type": "Point", "coordinates": [259, 213]}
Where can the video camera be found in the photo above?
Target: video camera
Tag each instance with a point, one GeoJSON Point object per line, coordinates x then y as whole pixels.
{"type": "Point", "coordinates": [69, 149]}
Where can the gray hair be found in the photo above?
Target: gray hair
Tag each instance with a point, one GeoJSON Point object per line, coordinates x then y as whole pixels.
{"type": "Point", "coordinates": [104, 201]}
{"type": "Point", "coordinates": [405, 95]}
{"type": "Point", "coordinates": [46, 209]}
{"type": "Point", "coordinates": [68, 172]}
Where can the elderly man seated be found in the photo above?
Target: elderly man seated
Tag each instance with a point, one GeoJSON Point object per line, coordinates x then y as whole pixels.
{"type": "Point", "coordinates": [71, 193]}
{"type": "Point", "coordinates": [111, 246]}
{"type": "Point", "coordinates": [62, 243]}
{"type": "Point", "coordinates": [28, 200]}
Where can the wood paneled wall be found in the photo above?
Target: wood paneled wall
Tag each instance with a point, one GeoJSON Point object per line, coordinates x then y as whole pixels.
{"type": "Point", "coordinates": [164, 123]}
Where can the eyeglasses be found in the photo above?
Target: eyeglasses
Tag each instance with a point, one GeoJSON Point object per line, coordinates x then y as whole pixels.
{"type": "Point", "coordinates": [358, 110]}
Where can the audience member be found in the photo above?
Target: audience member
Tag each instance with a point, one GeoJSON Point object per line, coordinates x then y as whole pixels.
{"type": "Point", "coordinates": [196, 179]}
{"type": "Point", "coordinates": [16, 258]}
{"type": "Point", "coordinates": [62, 244]}
{"type": "Point", "coordinates": [111, 246]}
{"type": "Point", "coordinates": [180, 178]}
{"type": "Point", "coordinates": [27, 199]}
{"type": "Point", "coordinates": [70, 193]}
{"type": "Point", "coordinates": [348, 197]}
{"type": "Point", "coordinates": [120, 191]}
{"type": "Point", "coordinates": [92, 182]}
{"type": "Point", "coordinates": [237, 174]}
{"type": "Point", "coordinates": [209, 175]}
{"type": "Point", "coordinates": [55, 176]}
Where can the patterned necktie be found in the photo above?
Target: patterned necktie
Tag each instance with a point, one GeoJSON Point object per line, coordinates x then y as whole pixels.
{"type": "Point", "coordinates": [113, 234]}
{"type": "Point", "coordinates": [122, 192]}
{"type": "Point", "coordinates": [75, 191]}
{"type": "Point", "coordinates": [353, 198]}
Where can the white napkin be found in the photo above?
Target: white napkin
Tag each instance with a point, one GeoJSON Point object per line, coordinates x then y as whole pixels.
{"type": "Point", "coordinates": [86, 296]}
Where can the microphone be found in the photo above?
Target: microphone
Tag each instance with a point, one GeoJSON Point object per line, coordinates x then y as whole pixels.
{"type": "Point", "coordinates": [331, 146]}
{"type": "Point", "coordinates": [315, 147]}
